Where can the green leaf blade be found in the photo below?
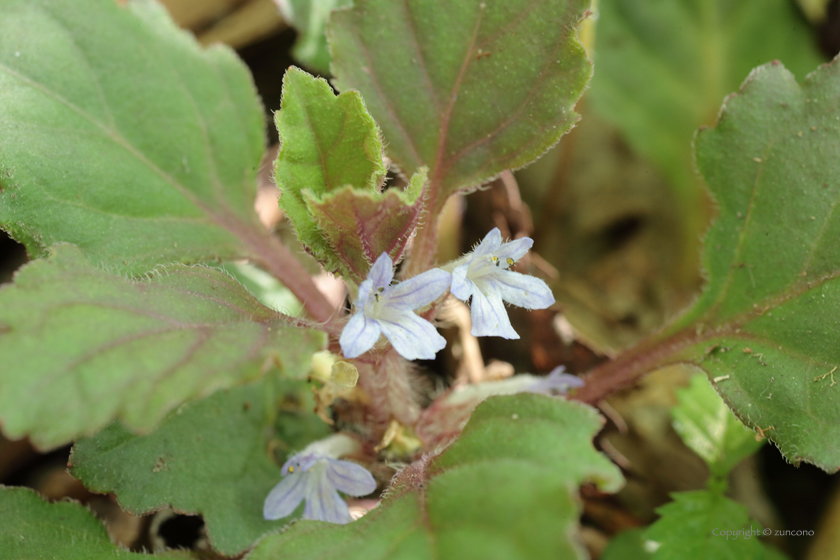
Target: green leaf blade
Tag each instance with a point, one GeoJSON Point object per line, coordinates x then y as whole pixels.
{"type": "Point", "coordinates": [690, 527]}
{"type": "Point", "coordinates": [471, 501]}
{"type": "Point", "coordinates": [663, 67]}
{"type": "Point", "coordinates": [433, 83]}
{"type": "Point", "coordinates": [33, 528]}
{"type": "Point", "coordinates": [147, 166]}
{"type": "Point", "coordinates": [85, 347]}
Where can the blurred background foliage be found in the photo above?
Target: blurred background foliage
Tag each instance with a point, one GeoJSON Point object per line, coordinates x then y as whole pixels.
{"type": "Point", "coordinates": [617, 212]}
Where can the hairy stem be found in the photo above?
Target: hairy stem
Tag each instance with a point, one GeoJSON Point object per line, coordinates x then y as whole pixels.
{"type": "Point", "coordinates": [628, 367]}
{"type": "Point", "coordinates": [385, 377]}
{"type": "Point", "coordinates": [279, 261]}
{"type": "Point", "coordinates": [424, 248]}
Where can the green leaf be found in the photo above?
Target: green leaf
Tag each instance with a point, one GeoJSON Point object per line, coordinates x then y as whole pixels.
{"type": "Point", "coordinates": [504, 490]}
{"type": "Point", "coordinates": [361, 225]}
{"type": "Point", "coordinates": [709, 428]}
{"type": "Point", "coordinates": [119, 134]}
{"type": "Point", "coordinates": [327, 142]}
{"type": "Point", "coordinates": [83, 347]}
{"type": "Point", "coordinates": [31, 529]}
{"type": "Point", "coordinates": [467, 89]}
{"type": "Point", "coordinates": [765, 327]}
{"type": "Point", "coordinates": [212, 457]}
{"type": "Point", "coordinates": [628, 545]}
{"type": "Point", "coordinates": [665, 65]}
{"type": "Point", "coordinates": [690, 529]}
{"type": "Point", "coordinates": [310, 17]}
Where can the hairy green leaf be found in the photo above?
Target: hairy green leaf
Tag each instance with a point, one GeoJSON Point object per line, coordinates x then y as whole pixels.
{"type": "Point", "coordinates": [310, 18]}
{"type": "Point", "coordinates": [709, 428]}
{"type": "Point", "coordinates": [694, 526]}
{"type": "Point", "coordinates": [665, 65]}
{"type": "Point", "coordinates": [765, 327]}
{"type": "Point", "coordinates": [31, 528]}
{"type": "Point", "coordinates": [504, 490]}
{"type": "Point", "coordinates": [431, 72]}
{"type": "Point", "coordinates": [213, 457]}
{"type": "Point", "coordinates": [327, 142]}
{"type": "Point", "coordinates": [82, 347]}
{"type": "Point", "coordinates": [119, 134]}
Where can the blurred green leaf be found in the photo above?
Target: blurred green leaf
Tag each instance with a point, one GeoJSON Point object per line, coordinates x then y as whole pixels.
{"type": "Point", "coordinates": [709, 428]}
{"type": "Point", "coordinates": [504, 490]}
{"type": "Point", "coordinates": [310, 18]}
{"type": "Point", "coordinates": [32, 529]}
{"type": "Point", "coordinates": [82, 347]}
{"type": "Point", "coordinates": [664, 66]}
{"type": "Point", "coordinates": [431, 73]}
{"type": "Point", "coordinates": [119, 134]}
{"type": "Point", "coordinates": [212, 457]}
{"type": "Point", "coordinates": [690, 528]}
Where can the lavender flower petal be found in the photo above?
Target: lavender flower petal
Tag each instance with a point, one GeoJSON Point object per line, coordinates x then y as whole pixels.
{"type": "Point", "coordinates": [462, 287]}
{"type": "Point", "coordinates": [489, 316]}
{"type": "Point", "coordinates": [419, 291]}
{"type": "Point", "coordinates": [382, 272]}
{"type": "Point", "coordinates": [556, 382]}
{"type": "Point", "coordinates": [515, 249]}
{"type": "Point", "coordinates": [412, 336]}
{"type": "Point", "coordinates": [284, 498]}
{"type": "Point", "coordinates": [522, 290]}
{"type": "Point", "coordinates": [491, 242]}
{"type": "Point", "coordinates": [350, 478]}
{"type": "Point", "coordinates": [359, 335]}
{"type": "Point", "coordinates": [323, 502]}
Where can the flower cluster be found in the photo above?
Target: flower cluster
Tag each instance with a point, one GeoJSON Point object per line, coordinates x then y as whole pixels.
{"type": "Point", "coordinates": [483, 277]}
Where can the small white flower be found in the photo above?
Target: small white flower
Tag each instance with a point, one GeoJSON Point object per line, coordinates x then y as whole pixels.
{"type": "Point", "coordinates": [385, 309]}
{"type": "Point", "coordinates": [316, 475]}
{"type": "Point", "coordinates": [484, 276]}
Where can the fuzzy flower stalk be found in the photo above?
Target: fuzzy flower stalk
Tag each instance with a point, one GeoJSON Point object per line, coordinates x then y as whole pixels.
{"type": "Point", "coordinates": [484, 278]}
{"type": "Point", "coordinates": [385, 309]}
{"type": "Point", "coordinates": [316, 475]}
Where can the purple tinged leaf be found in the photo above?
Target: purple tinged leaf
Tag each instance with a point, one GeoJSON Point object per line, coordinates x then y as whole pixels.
{"type": "Point", "coordinates": [361, 224]}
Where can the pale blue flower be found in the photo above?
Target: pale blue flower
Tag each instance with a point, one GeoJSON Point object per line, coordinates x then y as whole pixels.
{"type": "Point", "coordinates": [389, 310]}
{"type": "Point", "coordinates": [484, 276]}
{"type": "Point", "coordinates": [558, 382]}
{"type": "Point", "coordinates": [317, 478]}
